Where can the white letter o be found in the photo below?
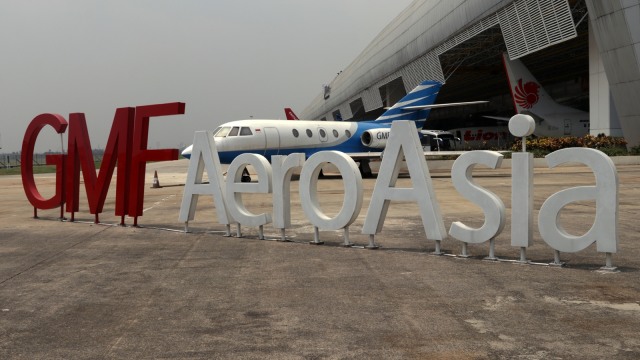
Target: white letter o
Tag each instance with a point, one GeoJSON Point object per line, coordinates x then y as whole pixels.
{"type": "Point", "coordinates": [352, 189]}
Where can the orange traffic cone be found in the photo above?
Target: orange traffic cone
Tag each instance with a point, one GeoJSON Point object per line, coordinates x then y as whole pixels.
{"type": "Point", "coordinates": [156, 182]}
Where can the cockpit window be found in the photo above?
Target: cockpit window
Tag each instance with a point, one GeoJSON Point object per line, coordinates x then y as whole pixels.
{"type": "Point", "coordinates": [245, 131]}
{"type": "Point", "coordinates": [234, 131]}
{"type": "Point", "coordinates": [223, 131]}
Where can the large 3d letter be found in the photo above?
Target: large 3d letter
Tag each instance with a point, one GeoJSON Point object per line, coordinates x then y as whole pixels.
{"type": "Point", "coordinates": [59, 124]}
{"type": "Point", "coordinates": [204, 156]}
{"type": "Point", "coordinates": [140, 153]}
{"type": "Point", "coordinates": [81, 157]}
{"type": "Point", "coordinates": [490, 203]}
{"type": "Point", "coordinates": [235, 188]}
{"type": "Point", "coordinates": [604, 229]}
{"type": "Point", "coordinates": [522, 125]}
{"type": "Point", "coordinates": [352, 190]}
{"type": "Point", "coordinates": [521, 199]}
{"type": "Point", "coordinates": [283, 168]}
{"type": "Point", "coordinates": [404, 142]}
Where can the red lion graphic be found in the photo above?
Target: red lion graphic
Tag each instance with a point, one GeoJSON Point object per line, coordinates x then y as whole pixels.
{"type": "Point", "coordinates": [527, 95]}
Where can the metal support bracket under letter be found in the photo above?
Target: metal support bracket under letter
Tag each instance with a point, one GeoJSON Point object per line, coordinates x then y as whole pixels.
{"type": "Point", "coordinates": [437, 251]}
{"type": "Point", "coordinates": [372, 242]}
{"type": "Point", "coordinates": [523, 256]}
{"type": "Point", "coordinates": [556, 259]}
{"type": "Point", "coordinates": [609, 263]}
{"type": "Point", "coordinates": [465, 253]}
{"type": "Point", "coordinates": [283, 235]}
{"type": "Point", "coordinates": [316, 237]}
{"type": "Point", "coordinates": [492, 250]}
{"type": "Point", "coordinates": [347, 242]}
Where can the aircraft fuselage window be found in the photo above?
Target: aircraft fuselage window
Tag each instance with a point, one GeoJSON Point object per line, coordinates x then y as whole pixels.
{"type": "Point", "coordinates": [234, 131]}
{"type": "Point", "coordinates": [295, 133]}
{"type": "Point", "coordinates": [223, 131]}
{"type": "Point", "coordinates": [323, 133]}
{"type": "Point", "coordinates": [348, 133]}
{"type": "Point", "coordinates": [245, 131]}
{"type": "Point", "coordinates": [335, 133]}
{"type": "Point", "coordinates": [309, 133]}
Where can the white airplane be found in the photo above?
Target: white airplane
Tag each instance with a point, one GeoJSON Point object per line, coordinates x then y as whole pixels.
{"type": "Point", "coordinates": [362, 140]}
{"type": "Point", "coordinates": [436, 140]}
{"type": "Point", "coordinates": [552, 119]}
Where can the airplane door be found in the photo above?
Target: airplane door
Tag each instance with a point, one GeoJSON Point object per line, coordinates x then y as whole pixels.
{"type": "Point", "coordinates": [322, 134]}
{"type": "Point", "coordinates": [567, 126]}
{"type": "Point", "coordinates": [272, 141]}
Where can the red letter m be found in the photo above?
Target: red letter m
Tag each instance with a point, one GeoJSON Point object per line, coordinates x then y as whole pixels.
{"type": "Point", "coordinates": [80, 156]}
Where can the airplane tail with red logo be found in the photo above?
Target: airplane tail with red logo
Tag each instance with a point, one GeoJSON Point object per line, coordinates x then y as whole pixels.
{"type": "Point", "coordinates": [290, 114]}
{"type": "Point", "coordinates": [527, 93]}
{"type": "Point", "coordinates": [530, 98]}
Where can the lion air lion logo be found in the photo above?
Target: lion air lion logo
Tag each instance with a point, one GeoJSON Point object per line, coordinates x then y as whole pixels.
{"type": "Point", "coordinates": [527, 95]}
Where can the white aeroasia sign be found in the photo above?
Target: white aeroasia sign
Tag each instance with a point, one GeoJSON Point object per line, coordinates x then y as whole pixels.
{"type": "Point", "coordinates": [403, 144]}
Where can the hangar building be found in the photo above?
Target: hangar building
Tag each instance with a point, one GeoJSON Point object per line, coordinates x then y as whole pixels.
{"type": "Point", "coordinates": [585, 53]}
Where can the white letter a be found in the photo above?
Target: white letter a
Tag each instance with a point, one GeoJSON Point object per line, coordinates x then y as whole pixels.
{"type": "Point", "coordinates": [404, 143]}
{"type": "Point", "coordinates": [204, 156]}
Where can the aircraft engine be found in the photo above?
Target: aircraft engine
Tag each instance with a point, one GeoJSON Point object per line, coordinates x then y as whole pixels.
{"type": "Point", "coordinates": [375, 138]}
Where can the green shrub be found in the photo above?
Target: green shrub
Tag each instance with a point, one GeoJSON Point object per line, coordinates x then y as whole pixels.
{"type": "Point", "coordinates": [614, 151]}
{"type": "Point", "coordinates": [541, 146]}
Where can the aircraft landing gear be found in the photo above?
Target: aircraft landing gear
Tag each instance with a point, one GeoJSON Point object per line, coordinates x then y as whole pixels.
{"type": "Point", "coordinates": [365, 169]}
{"type": "Point", "coordinates": [245, 176]}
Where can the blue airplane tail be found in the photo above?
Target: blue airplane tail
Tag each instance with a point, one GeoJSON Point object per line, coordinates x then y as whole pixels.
{"type": "Point", "coordinates": [415, 105]}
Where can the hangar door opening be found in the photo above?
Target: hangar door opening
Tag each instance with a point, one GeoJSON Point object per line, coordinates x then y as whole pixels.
{"type": "Point", "coordinates": [392, 92]}
{"type": "Point", "coordinates": [357, 109]}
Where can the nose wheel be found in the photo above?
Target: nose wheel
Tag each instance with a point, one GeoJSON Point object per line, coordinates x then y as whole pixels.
{"type": "Point", "coordinates": [245, 176]}
{"type": "Point", "coordinates": [365, 169]}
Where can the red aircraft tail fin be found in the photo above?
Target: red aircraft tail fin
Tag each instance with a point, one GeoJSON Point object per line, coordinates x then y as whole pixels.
{"type": "Point", "coordinates": [290, 114]}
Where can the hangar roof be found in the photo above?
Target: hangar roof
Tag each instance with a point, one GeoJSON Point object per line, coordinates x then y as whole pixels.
{"type": "Point", "coordinates": [467, 38]}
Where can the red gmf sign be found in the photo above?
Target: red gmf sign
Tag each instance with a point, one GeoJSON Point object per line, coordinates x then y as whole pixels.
{"type": "Point", "coordinates": [126, 147]}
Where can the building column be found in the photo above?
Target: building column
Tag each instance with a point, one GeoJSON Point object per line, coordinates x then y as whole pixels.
{"type": "Point", "coordinates": [616, 30]}
{"type": "Point", "coordinates": [603, 118]}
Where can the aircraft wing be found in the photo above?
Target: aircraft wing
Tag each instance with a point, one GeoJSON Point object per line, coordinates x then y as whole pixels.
{"type": "Point", "coordinates": [378, 154]}
{"type": "Point", "coordinates": [428, 154]}
{"type": "Point", "coordinates": [365, 155]}
{"type": "Point", "coordinates": [435, 106]}
{"type": "Point", "coordinates": [501, 118]}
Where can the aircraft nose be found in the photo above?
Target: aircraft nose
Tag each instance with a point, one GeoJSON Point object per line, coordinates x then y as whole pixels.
{"type": "Point", "coordinates": [187, 152]}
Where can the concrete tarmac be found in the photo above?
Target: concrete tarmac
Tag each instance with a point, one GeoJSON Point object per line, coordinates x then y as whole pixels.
{"type": "Point", "coordinates": [79, 290]}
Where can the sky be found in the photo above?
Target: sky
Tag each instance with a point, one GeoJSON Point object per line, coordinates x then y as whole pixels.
{"type": "Point", "coordinates": [226, 59]}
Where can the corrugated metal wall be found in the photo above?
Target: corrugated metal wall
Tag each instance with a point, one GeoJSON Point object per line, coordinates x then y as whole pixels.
{"type": "Point", "coordinates": [528, 26]}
